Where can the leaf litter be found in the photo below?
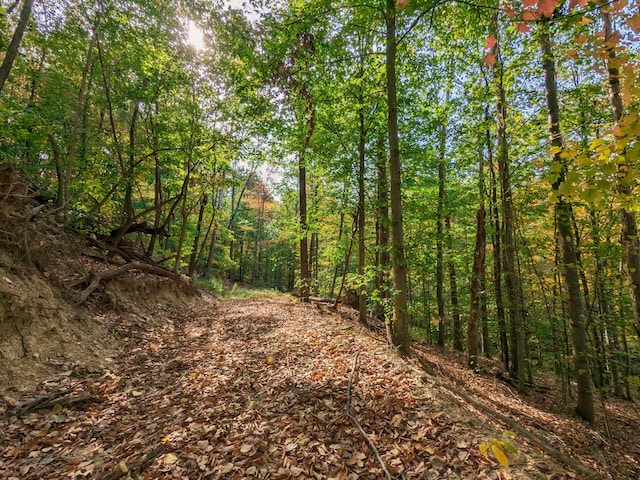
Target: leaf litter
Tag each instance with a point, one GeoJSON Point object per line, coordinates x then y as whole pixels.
{"type": "Point", "coordinates": [255, 389]}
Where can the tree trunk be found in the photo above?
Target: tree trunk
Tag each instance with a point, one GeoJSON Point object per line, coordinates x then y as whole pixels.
{"type": "Point", "coordinates": [398, 327]}
{"type": "Point", "coordinates": [496, 235]}
{"type": "Point", "coordinates": [193, 260]}
{"type": "Point", "coordinates": [76, 127]}
{"type": "Point", "coordinates": [512, 281]}
{"type": "Point", "coordinates": [629, 238]}
{"type": "Point", "coordinates": [383, 230]}
{"type": "Point", "coordinates": [585, 407]}
{"type": "Point", "coordinates": [440, 237]}
{"type": "Point", "coordinates": [476, 286]}
{"type": "Point", "coordinates": [362, 299]}
{"type": "Point", "coordinates": [12, 49]}
{"type": "Point", "coordinates": [453, 292]}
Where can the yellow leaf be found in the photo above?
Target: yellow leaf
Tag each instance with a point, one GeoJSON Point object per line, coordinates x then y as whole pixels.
{"type": "Point", "coordinates": [484, 449]}
{"type": "Point", "coordinates": [170, 458]}
{"type": "Point", "coordinates": [123, 467]}
{"type": "Point", "coordinates": [585, 21]}
{"type": "Point", "coordinates": [270, 360]}
{"type": "Point", "coordinates": [166, 440]}
{"type": "Point", "coordinates": [500, 456]}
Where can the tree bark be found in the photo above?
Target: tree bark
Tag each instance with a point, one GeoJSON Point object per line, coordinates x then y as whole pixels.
{"type": "Point", "coordinates": [362, 299]}
{"type": "Point", "coordinates": [383, 230]}
{"type": "Point", "coordinates": [512, 281]}
{"type": "Point", "coordinates": [398, 327]}
{"type": "Point", "coordinates": [585, 406]}
{"type": "Point", "coordinates": [629, 238]}
{"type": "Point", "coordinates": [453, 293]}
{"type": "Point", "coordinates": [12, 49]}
{"type": "Point", "coordinates": [440, 236]}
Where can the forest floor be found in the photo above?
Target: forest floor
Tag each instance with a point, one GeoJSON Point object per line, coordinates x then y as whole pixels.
{"type": "Point", "coordinates": [149, 378]}
{"type": "Point", "coordinates": [272, 388]}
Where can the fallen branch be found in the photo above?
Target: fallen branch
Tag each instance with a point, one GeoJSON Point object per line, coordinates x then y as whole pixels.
{"type": "Point", "coordinates": [577, 466]}
{"type": "Point", "coordinates": [59, 397]}
{"type": "Point", "coordinates": [134, 468]}
{"type": "Point", "coordinates": [94, 279]}
{"type": "Point", "coordinates": [357, 424]}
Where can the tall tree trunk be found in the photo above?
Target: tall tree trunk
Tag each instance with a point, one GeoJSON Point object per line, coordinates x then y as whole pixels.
{"type": "Point", "coordinates": [77, 120]}
{"type": "Point", "coordinates": [512, 280]}
{"type": "Point", "coordinates": [193, 260]}
{"type": "Point", "coordinates": [440, 234]}
{"type": "Point", "coordinates": [216, 206]}
{"type": "Point", "coordinates": [362, 299]}
{"type": "Point", "coordinates": [496, 235]}
{"type": "Point", "coordinates": [398, 327]}
{"type": "Point", "coordinates": [629, 238]}
{"type": "Point", "coordinates": [12, 49]}
{"type": "Point", "coordinates": [476, 286]}
{"type": "Point", "coordinates": [453, 292]}
{"type": "Point", "coordinates": [585, 406]}
{"type": "Point", "coordinates": [129, 211]}
{"type": "Point", "coordinates": [383, 230]}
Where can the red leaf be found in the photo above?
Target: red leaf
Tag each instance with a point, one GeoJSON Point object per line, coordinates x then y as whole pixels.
{"type": "Point", "coordinates": [547, 7]}
{"type": "Point", "coordinates": [529, 16]}
{"type": "Point", "coordinates": [489, 59]}
{"type": "Point", "coordinates": [490, 42]}
{"type": "Point", "coordinates": [522, 27]}
{"type": "Point", "coordinates": [402, 3]}
{"type": "Point", "coordinates": [508, 9]}
{"type": "Point", "coordinates": [529, 3]}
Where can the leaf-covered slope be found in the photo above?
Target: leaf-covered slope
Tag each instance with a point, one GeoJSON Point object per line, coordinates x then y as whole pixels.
{"type": "Point", "coordinates": [255, 389]}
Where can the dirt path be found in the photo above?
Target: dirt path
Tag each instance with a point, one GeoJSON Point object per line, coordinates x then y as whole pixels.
{"type": "Point", "coordinates": [255, 389]}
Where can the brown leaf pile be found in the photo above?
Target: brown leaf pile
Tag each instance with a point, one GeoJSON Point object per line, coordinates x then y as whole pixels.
{"type": "Point", "coordinates": [254, 389]}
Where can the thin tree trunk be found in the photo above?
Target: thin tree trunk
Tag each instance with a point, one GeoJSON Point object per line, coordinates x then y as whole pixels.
{"type": "Point", "coordinates": [497, 268]}
{"type": "Point", "coordinates": [512, 281]}
{"type": "Point", "coordinates": [362, 299]}
{"type": "Point", "coordinates": [629, 238]}
{"type": "Point", "coordinates": [440, 235]}
{"type": "Point", "coordinates": [585, 406]}
{"type": "Point", "coordinates": [12, 49]}
{"type": "Point", "coordinates": [193, 260]}
{"type": "Point", "coordinates": [76, 124]}
{"type": "Point", "coordinates": [383, 230]}
{"type": "Point", "coordinates": [398, 327]}
{"type": "Point", "coordinates": [453, 292]}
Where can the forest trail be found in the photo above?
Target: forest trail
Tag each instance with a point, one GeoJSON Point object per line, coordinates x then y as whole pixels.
{"type": "Point", "coordinates": [255, 389]}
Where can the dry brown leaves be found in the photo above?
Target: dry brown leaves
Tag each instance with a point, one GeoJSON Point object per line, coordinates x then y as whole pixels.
{"type": "Point", "coordinates": [253, 389]}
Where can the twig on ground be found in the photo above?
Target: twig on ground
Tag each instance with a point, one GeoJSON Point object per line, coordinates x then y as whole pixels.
{"type": "Point", "coordinates": [135, 468]}
{"type": "Point", "coordinates": [357, 424]}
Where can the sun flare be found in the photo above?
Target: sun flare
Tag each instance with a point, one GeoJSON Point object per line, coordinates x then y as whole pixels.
{"type": "Point", "coordinates": [196, 37]}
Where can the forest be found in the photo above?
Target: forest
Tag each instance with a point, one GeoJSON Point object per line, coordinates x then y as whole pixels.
{"type": "Point", "coordinates": [463, 171]}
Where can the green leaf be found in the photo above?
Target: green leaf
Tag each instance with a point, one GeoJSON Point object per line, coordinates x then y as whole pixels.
{"type": "Point", "coordinates": [500, 455]}
{"type": "Point", "coordinates": [56, 409]}
{"type": "Point", "coordinates": [509, 447]}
